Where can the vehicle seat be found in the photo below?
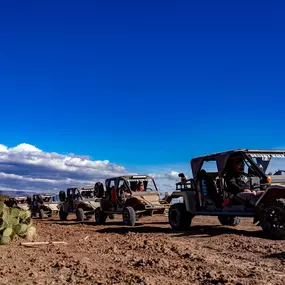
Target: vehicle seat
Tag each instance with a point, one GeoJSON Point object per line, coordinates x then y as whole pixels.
{"type": "Point", "coordinates": [213, 196]}
{"type": "Point", "coordinates": [213, 192]}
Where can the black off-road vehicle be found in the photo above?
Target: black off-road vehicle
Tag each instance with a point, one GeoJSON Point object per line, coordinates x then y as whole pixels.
{"type": "Point", "coordinates": [268, 210]}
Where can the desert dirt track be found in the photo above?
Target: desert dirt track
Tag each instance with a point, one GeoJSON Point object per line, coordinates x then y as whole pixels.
{"type": "Point", "coordinates": [149, 253]}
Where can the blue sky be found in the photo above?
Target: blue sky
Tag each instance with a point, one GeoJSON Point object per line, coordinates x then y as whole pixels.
{"type": "Point", "coordinates": [145, 84]}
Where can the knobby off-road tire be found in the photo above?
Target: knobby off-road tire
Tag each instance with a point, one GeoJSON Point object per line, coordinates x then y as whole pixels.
{"type": "Point", "coordinates": [273, 219]}
{"type": "Point", "coordinates": [100, 217]}
{"type": "Point", "coordinates": [179, 218]}
{"type": "Point", "coordinates": [80, 215]}
{"type": "Point", "coordinates": [229, 220]}
{"type": "Point", "coordinates": [41, 214]}
{"type": "Point", "coordinates": [129, 216]}
{"type": "Point", "coordinates": [62, 215]}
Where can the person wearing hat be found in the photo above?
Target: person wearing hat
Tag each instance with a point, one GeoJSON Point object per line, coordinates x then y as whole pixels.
{"type": "Point", "coordinates": [238, 182]}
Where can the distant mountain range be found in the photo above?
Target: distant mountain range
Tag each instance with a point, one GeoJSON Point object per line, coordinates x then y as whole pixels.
{"type": "Point", "coordinates": [16, 193]}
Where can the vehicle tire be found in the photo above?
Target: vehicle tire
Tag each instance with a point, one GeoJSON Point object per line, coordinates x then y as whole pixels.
{"type": "Point", "coordinates": [273, 219]}
{"type": "Point", "coordinates": [99, 190]}
{"type": "Point", "coordinates": [129, 216]}
{"type": "Point", "coordinates": [178, 217]}
{"type": "Point", "coordinates": [80, 215]}
{"type": "Point", "coordinates": [62, 196]}
{"type": "Point", "coordinates": [34, 214]}
{"type": "Point", "coordinates": [100, 217]}
{"type": "Point", "coordinates": [41, 214]}
{"type": "Point", "coordinates": [229, 220]}
{"type": "Point", "coordinates": [62, 215]}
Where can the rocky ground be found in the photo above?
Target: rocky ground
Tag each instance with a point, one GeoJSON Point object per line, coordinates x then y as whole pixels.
{"type": "Point", "coordinates": [149, 253]}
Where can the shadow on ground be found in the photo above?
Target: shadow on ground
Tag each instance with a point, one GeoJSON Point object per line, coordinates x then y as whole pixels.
{"type": "Point", "coordinates": [74, 222]}
{"type": "Point", "coordinates": [280, 255]}
{"type": "Point", "coordinates": [194, 231]}
{"type": "Point", "coordinates": [203, 231]}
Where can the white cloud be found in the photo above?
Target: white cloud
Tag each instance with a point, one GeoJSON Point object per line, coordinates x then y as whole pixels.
{"type": "Point", "coordinates": [24, 147]}
{"type": "Point", "coordinates": [27, 168]}
{"type": "Point", "coordinates": [3, 148]}
{"type": "Point", "coordinates": [171, 175]}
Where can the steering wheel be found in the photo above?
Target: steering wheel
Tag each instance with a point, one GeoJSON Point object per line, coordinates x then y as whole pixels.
{"type": "Point", "coordinates": [149, 189]}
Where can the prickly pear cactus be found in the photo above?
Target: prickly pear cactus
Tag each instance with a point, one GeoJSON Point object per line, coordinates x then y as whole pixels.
{"type": "Point", "coordinates": [15, 222]}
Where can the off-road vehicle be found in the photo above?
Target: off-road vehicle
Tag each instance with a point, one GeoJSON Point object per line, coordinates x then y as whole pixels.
{"type": "Point", "coordinates": [21, 202]}
{"type": "Point", "coordinates": [130, 196]}
{"type": "Point", "coordinates": [268, 210]}
{"type": "Point", "coordinates": [43, 205]}
{"type": "Point", "coordinates": [79, 200]}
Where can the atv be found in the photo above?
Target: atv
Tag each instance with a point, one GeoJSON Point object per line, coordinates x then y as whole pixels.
{"type": "Point", "coordinates": [79, 200]}
{"type": "Point", "coordinates": [132, 197]}
{"type": "Point", "coordinates": [267, 210]}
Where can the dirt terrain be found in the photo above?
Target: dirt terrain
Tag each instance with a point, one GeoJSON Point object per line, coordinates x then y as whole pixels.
{"type": "Point", "coordinates": [149, 253]}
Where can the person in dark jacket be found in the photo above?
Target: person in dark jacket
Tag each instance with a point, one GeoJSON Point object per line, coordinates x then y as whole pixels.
{"type": "Point", "coordinates": [238, 182]}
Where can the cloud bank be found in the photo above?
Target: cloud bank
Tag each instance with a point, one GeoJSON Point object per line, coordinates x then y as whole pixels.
{"type": "Point", "coordinates": [27, 168]}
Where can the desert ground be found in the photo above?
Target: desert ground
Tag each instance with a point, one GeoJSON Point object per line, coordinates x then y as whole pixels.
{"type": "Point", "coordinates": [149, 253]}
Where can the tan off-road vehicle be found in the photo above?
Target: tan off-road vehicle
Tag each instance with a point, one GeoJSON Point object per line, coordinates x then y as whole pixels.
{"type": "Point", "coordinates": [79, 200]}
{"type": "Point", "coordinates": [43, 205]}
{"type": "Point", "coordinates": [21, 202]}
{"type": "Point", "coordinates": [130, 196]}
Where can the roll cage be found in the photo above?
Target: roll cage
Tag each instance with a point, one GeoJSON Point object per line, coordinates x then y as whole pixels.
{"type": "Point", "coordinates": [81, 193]}
{"type": "Point", "coordinates": [221, 161]}
{"type": "Point", "coordinates": [127, 184]}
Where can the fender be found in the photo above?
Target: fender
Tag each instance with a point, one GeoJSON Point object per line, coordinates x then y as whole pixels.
{"type": "Point", "coordinates": [188, 198]}
{"type": "Point", "coordinates": [271, 193]}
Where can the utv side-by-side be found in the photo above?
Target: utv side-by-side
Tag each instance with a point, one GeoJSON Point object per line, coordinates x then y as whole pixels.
{"type": "Point", "coordinates": [130, 196]}
{"type": "Point", "coordinates": [81, 200]}
{"type": "Point", "coordinates": [268, 210]}
{"type": "Point", "coordinates": [43, 205]}
{"type": "Point", "coordinates": [21, 202]}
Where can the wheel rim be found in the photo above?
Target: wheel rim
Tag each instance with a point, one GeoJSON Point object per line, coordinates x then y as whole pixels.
{"type": "Point", "coordinates": [276, 223]}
